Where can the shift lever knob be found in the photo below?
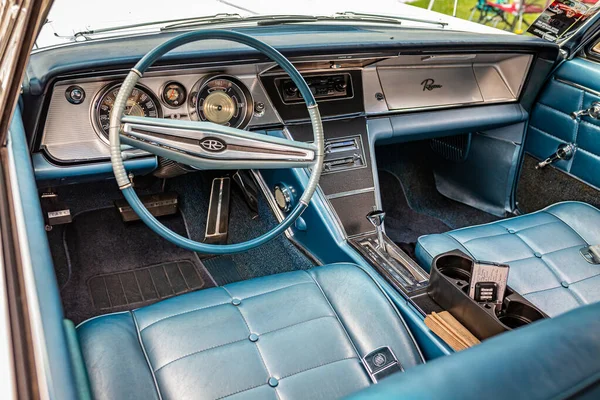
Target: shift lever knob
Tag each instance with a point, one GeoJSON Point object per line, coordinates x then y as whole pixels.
{"type": "Point", "coordinates": [376, 217]}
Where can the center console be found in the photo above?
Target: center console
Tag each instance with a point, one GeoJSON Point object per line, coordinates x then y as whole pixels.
{"type": "Point", "coordinates": [447, 289]}
{"type": "Point", "coordinates": [451, 274]}
{"type": "Point", "coordinates": [349, 185]}
{"type": "Point", "coordinates": [393, 263]}
{"type": "Point", "coordinates": [347, 178]}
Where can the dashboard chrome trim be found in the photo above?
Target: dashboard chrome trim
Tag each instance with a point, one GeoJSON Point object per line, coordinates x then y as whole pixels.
{"type": "Point", "coordinates": [68, 137]}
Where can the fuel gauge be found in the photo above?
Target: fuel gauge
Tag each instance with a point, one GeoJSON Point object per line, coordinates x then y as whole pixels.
{"type": "Point", "coordinates": [173, 94]}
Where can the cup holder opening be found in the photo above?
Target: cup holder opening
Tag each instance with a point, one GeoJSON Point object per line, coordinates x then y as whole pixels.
{"type": "Point", "coordinates": [514, 321]}
{"type": "Point", "coordinates": [518, 314]}
{"type": "Point", "coordinates": [455, 267]}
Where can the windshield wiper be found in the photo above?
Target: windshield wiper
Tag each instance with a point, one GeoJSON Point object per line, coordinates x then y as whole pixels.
{"type": "Point", "coordinates": [354, 16]}
{"type": "Point", "coordinates": [259, 19]}
{"type": "Point", "coordinates": [216, 18]}
{"type": "Point", "coordinates": [269, 20]}
{"type": "Point", "coordinates": [336, 17]}
{"type": "Point", "coordinates": [262, 20]}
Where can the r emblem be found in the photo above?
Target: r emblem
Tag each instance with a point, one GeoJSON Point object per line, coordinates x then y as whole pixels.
{"type": "Point", "coordinates": [212, 144]}
{"type": "Point", "coordinates": [429, 84]}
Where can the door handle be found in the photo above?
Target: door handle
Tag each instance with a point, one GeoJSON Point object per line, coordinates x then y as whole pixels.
{"type": "Point", "coordinates": [564, 152]}
{"type": "Point", "coordinates": [593, 111]}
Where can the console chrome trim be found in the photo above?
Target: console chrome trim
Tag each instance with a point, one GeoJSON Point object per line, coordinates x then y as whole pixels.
{"type": "Point", "coordinates": [352, 168]}
{"type": "Point", "coordinates": [350, 193]}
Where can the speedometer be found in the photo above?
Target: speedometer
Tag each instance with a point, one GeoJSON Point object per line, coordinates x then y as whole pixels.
{"type": "Point", "coordinates": [223, 100]}
{"type": "Point", "coordinates": [141, 103]}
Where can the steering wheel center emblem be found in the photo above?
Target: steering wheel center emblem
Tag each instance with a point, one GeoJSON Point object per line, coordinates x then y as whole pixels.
{"type": "Point", "coordinates": [213, 145]}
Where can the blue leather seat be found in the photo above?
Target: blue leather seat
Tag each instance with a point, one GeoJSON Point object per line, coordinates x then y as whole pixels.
{"type": "Point", "coordinates": [294, 335]}
{"type": "Point", "coordinates": [542, 249]}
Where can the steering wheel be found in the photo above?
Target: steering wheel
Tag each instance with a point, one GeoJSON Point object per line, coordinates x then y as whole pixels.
{"type": "Point", "coordinates": [205, 145]}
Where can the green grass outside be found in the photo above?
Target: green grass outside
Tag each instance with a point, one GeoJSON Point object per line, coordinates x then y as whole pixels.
{"type": "Point", "coordinates": [463, 10]}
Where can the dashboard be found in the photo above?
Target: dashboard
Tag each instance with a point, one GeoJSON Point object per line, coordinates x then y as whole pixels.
{"type": "Point", "coordinates": [259, 95]}
{"type": "Point", "coordinates": [373, 87]}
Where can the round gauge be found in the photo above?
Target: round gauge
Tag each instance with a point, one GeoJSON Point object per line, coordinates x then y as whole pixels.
{"type": "Point", "coordinates": [224, 100]}
{"type": "Point", "coordinates": [173, 94]}
{"type": "Point", "coordinates": [141, 103]}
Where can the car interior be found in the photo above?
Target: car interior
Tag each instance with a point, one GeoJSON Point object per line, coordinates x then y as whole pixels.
{"type": "Point", "coordinates": [283, 210]}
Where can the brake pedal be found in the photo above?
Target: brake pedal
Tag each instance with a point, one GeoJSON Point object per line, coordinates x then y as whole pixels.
{"type": "Point", "coordinates": [159, 205]}
{"type": "Point", "coordinates": [217, 223]}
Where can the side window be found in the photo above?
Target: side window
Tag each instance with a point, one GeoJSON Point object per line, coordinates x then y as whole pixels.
{"type": "Point", "coordinates": [595, 51]}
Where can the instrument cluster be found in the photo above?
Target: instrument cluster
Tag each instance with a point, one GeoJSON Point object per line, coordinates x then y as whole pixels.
{"type": "Point", "coordinates": [218, 98]}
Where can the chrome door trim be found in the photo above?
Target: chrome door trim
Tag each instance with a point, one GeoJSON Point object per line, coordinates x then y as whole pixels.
{"type": "Point", "coordinates": [578, 86]}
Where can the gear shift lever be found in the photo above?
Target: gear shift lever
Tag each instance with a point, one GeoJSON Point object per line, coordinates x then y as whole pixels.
{"type": "Point", "coordinates": [376, 217]}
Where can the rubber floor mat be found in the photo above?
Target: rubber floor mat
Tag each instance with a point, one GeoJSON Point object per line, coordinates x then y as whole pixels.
{"type": "Point", "coordinates": [106, 257]}
{"type": "Point", "coordinates": [143, 286]}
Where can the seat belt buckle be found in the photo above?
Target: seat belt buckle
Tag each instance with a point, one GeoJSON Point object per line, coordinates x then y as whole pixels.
{"type": "Point", "coordinates": [381, 363]}
{"type": "Point", "coordinates": [591, 254]}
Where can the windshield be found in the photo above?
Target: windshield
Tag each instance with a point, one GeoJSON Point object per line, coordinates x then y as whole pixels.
{"type": "Point", "coordinates": [68, 17]}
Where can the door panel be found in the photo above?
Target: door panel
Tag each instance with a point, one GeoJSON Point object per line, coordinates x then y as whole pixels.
{"type": "Point", "coordinates": [575, 86]}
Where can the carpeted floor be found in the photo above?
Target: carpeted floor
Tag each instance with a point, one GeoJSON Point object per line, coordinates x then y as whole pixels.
{"type": "Point", "coordinates": [278, 255]}
{"type": "Point", "coordinates": [540, 188]}
{"type": "Point", "coordinates": [402, 223]}
{"type": "Point", "coordinates": [98, 244]}
{"type": "Point", "coordinates": [97, 257]}
{"type": "Point", "coordinates": [412, 165]}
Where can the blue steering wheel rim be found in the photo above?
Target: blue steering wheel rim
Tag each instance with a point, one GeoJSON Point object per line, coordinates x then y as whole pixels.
{"type": "Point", "coordinates": [133, 199]}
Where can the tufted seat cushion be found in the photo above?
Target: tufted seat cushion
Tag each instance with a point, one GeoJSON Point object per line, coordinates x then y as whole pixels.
{"type": "Point", "coordinates": [542, 249]}
{"type": "Point", "coordinates": [295, 335]}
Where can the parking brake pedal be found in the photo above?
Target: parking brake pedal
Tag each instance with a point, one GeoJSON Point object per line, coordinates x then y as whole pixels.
{"type": "Point", "coordinates": [217, 224]}
{"type": "Point", "coordinates": [55, 212]}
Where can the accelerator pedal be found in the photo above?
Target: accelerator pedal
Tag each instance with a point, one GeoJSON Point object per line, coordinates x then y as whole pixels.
{"type": "Point", "coordinates": [217, 224]}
